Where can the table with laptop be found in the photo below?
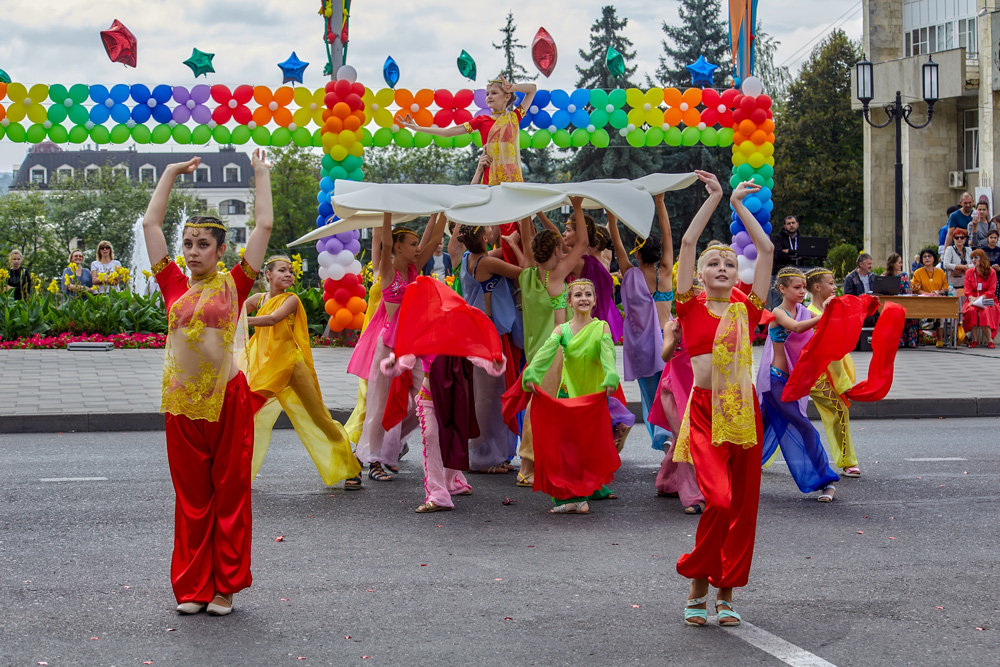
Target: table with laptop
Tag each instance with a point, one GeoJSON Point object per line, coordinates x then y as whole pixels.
{"type": "Point", "coordinates": [919, 306]}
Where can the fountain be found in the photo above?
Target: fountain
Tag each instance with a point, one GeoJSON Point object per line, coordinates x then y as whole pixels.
{"type": "Point", "coordinates": [140, 260]}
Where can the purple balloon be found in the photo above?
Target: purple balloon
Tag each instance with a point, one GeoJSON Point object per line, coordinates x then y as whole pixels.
{"type": "Point", "coordinates": [354, 246]}
{"type": "Point", "coordinates": [344, 237]}
{"type": "Point", "coordinates": [750, 252]}
{"type": "Point", "coordinates": [333, 245]}
{"type": "Point", "coordinates": [201, 93]}
{"type": "Point", "coordinates": [201, 114]}
{"type": "Point", "coordinates": [742, 239]}
{"type": "Point", "coordinates": [321, 245]}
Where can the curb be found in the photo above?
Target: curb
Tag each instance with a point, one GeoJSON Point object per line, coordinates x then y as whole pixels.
{"type": "Point", "coordinates": [900, 408]}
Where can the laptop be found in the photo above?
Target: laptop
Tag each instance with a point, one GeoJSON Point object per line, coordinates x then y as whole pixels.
{"type": "Point", "coordinates": [813, 246]}
{"type": "Point", "coordinates": [886, 285]}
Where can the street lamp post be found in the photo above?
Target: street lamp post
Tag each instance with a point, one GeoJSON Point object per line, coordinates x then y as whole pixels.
{"type": "Point", "coordinates": [897, 112]}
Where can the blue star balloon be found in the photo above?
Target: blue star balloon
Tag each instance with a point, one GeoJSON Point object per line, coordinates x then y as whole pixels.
{"type": "Point", "coordinates": [702, 72]}
{"type": "Point", "coordinates": [292, 69]}
{"type": "Point", "coordinates": [390, 72]}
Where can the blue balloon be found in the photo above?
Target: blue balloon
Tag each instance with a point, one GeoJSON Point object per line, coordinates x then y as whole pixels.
{"type": "Point", "coordinates": [326, 184]}
{"type": "Point", "coordinates": [768, 205]}
{"type": "Point", "coordinates": [767, 227]}
{"type": "Point", "coordinates": [542, 120]}
{"type": "Point", "coordinates": [542, 99]}
{"type": "Point", "coordinates": [734, 228]}
{"type": "Point", "coordinates": [752, 203]}
{"type": "Point", "coordinates": [762, 216]}
{"type": "Point", "coordinates": [390, 72]}
{"type": "Point", "coordinates": [764, 194]}
{"type": "Point", "coordinates": [322, 197]}
{"type": "Point", "coordinates": [320, 221]}
{"type": "Point", "coordinates": [560, 119]}
{"type": "Point", "coordinates": [325, 209]}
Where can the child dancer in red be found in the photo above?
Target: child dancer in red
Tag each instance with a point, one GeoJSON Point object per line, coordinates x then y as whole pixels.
{"type": "Point", "coordinates": [721, 430]}
{"type": "Point", "coordinates": [208, 406]}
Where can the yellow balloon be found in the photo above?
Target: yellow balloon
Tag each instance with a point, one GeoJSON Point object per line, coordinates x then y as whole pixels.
{"type": "Point", "coordinates": [347, 138]}
{"type": "Point", "coordinates": [356, 149]}
{"type": "Point", "coordinates": [329, 140]}
{"type": "Point", "coordinates": [338, 152]}
{"type": "Point", "coordinates": [767, 149]}
{"type": "Point", "coordinates": [756, 160]}
{"type": "Point", "coordinates": [739, 158]}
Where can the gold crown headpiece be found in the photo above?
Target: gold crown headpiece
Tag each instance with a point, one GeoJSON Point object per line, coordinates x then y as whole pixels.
{"type": "Point", "coordinates": [205, 223]}
{"type": "Point", "coordinates": [276, 258]}
{"type": "Point", "coordinates": [638, 244]}
{"type": "Point", "coordinates": [720, 248]}
{"type": "Point", "coordinates": [579, 281]}
{"type": "Point", "coordinates": [404, 230]}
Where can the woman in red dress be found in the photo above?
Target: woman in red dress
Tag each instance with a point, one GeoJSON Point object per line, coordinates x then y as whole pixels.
{"type": "Point", "coordinates": [980, 321]}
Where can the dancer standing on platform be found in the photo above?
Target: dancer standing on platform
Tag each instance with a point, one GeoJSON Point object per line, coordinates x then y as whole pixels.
{"type": "Point", "coordinates": [721, 431]}
{"type": "Point", "coordinates": [279, 367]}
{"type": "Point", "coordinates": [208, 405]}
{"type": "Point", "coordinates": [828, 392]}
{"type": "Point", "coordinates": [785, 422]}
{"type": "Point", "coordinates": [401, 257]}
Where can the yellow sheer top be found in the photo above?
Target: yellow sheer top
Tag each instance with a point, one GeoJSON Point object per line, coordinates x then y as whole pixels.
{"type": "Point", "coordinates": [273, 351]}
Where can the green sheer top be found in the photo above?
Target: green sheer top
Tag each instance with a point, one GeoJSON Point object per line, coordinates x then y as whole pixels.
{"type": "Point", "coordinates": [539, 320]}
{"type": "Point", "coordinates": [588, 359]}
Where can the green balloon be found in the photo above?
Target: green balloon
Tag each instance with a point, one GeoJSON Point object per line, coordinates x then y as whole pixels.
{"type": "Point", "coordinates": [744, 171]}
{"type": "Point", "coordinates": [351, 162]}
{"type": "Point", "coordinates": [261, 136]}
{"type": "Point", "coordinates": [580, 138]}
{"type": "Point", "coordinates": [769, 183]}
{"type": "Point", "coordinates": [201, 134]}
{"type": "Point", "coordinates": [356, 175]}
{"type": "Point", "coordinates": [382, 137]}
{"type": "Point", "coordinates": [181, 134]}
{"type": "Point", "coordinates": [618, 119]}
{"type": "Point", "coordinates": [161, 134]}
{"type": "Point", "coordinates": [58, 93]}
{"type": "Point", "coordinates": [281, 137]}
{"type": "Point", "coordinates": [79, 115]}
{"type": "Point", "coordinates": [57, 113]}
{"type": "Point", "coordinates": [366, 137]}
{"type": "Point", "coordinates": [15, 132]}
{"type": "Point", "coordinates": [599, 117]}
{"type": "Point", "coordinates": [598, 98]}
{"type": "Point", "coordinates": [35, 134]}
{"type": "Point", "coordinates": [100, 134]}
{"type": "Point", "coordinates": [78, 134]}
{"type": "Point", "coordinates": [220, 133]}
{"type": "Point", "coordinates": [422, 140]}
{"type": "Point", "coordinates": [141, 134]}
{"type": "Point", "coordinates": [477, 139]}
{"type": "Point", "coordinates": [338, 172]}
{"type": "Point", "coordinates": [302, 137]}
{"type": "Point", "coordinates": [673, 137]}
{"type": "Point", "coordinates": [463, 140]}
{"type": "Point", "coordinates": [636, 138]}
{"type": "Point", "coordinates": [766, 170]}
{"type": "Point", "coordinates": [466, 65]}
{"type": "Point", "coordinates": [617, 97]}
{"type": "Point", "coordinates": [758, 179]}
{"type": "Point", "coordinates": [79, 92]}
{"type": "Point", "coordinates": [541, 139]}
{"type": "Point", "coordinates": [690, 136]}
{"type": "Point", "coordinates": [710, 137]}
{"type": "Point", "coordinates": [600, 138]}
{"type": "Point", "coordinates": [734, 181]}
{"type": "Point", "coordinates": [725, 137]}
{"type": "Point", "coordinates": [443, 142]}
{"type": "Point", "coordinates": [403, 138]}
{"type": "Point", "coordinates": [523, 139]}
{"type": "Point", "coordinates": [241, 134]}
{"type": "Point", "coordinates": [317, 138]}
{"type": "Point", "coordinates": [326, 163]}
{"type": "Point", "coordinates": [561, 139]}
{"type": "Point", "coordinates": [120, 134]}
{"type": "Point", "coordinates": [58, 134]}
{"type": "Point", "coordinates": [615, 62]}
{"type": "Point", "coordinates": [654, 136]}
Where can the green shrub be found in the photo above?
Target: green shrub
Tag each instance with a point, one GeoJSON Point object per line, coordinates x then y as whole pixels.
{"type": "Point", "coordinates": [842, 259]}
{"type": "Point", "coordinates": [106, 314]}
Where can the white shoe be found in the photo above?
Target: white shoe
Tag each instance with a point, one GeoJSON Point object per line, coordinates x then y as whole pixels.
{"type": "Point", "coordinates": [220, 605]}
{"type": "Point", "coordinates": [190, 607]}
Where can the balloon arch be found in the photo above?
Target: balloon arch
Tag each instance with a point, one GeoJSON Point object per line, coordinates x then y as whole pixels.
{"type": "Point", "coordinates": [345, 117]}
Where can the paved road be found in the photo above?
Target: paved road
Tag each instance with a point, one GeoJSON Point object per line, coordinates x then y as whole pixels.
{"type": "Point", "coordinates": [900, 570]}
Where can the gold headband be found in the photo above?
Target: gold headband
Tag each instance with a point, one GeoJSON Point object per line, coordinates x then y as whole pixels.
{"type": "Point", "coordinates": [720, 248]}
{"type": "Point", "coordinates": [638, 244]}
{"type": "Point", "coordinates": [579, 281]}
{"type": "Point", "coordinates": [277, 258]}
{"type": "Point", "coordinates": [404, 230]}
{"type": "Point", "coordinates": [204, 225]}
{"type": "Point", "coordinates": [812, 273]}
{"type": "Point", "coordinates": [790, 271]}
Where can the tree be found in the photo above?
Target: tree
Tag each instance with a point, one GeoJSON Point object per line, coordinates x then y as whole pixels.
{"type": "Point", "coordinates": [818, 155]}
{"type": "Point", "coordinates": [619, 160]}
{"type": "Point", "coordinates": [510, 45]}
{"type": "Point", "coordinates": [23, 227]}
{"type": "Point", "coordinates": [294, 184]}
{"type": "Point", "coordinates": [775, 78]}
{"type": "Point", "coordinates": [700, 32]}
{"type": "Point", "coordinates": [431, 164]}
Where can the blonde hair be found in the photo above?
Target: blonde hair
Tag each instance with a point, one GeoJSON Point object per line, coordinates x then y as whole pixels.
{"type": "Point", "coordinates": [11, 254]}
{"type": "Point", "coordinates": [814, 276]}
{"type": "Point", "coordinates": [787, 274]}
{"type": "Point", "coordinates": [702, 258]}
{"type": "Point", "coordinates": [111, 248]}
{"type": "Point", "coordinates": [579, 282]}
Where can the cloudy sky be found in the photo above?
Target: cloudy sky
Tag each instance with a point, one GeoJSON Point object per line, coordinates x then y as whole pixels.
{"type": "Point", "coordinates": [58, 42]}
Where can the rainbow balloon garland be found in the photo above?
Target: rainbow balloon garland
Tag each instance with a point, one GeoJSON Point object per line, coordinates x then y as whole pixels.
{"type": "Point", "coordinates": [337, 118]}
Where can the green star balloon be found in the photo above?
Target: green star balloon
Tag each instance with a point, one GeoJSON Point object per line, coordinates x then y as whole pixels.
{"type": "Point", "coordinates": [467, 66]}
{"type": "Point", "coordinates": [4, 77]}
{"type": "Point", "coordinates": [200, 62]}
{"type": "Point", "coordinates": [616, 64]}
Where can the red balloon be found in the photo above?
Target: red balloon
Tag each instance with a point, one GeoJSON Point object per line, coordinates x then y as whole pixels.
{"type": "Point", "coordinates": [464, 98]}
{"type": "Point", "coordinates": [330, 99]}
{"type": "Point", "coordinates": [748, 103]}
{"type": "Point", "coordinates": [764, 102]}
{"type": "Point", "coordinates": [358, 290]}
{"type": "Point", "coordinates": [544, 52]}
{"type": "Point", "coordinates": [120, 44]}
{"type": "Point", "coordinates": [358, 89]}
{"type": "Point", "coordinates": [710, 98]}
{"type": "Point", "coordinates": [444, 99]}
{"type": "Point", "coordinates": [342, 295]}
{"type": "Point", "coordinates": [330, 87]}
{"type": "Point", "coordinates": [729, 96]}
{"type": "Point", "coordinates": [444, 117]}
{"type": "Point", "coordinates": [349, 279]}
{"type": "Point", "coordinates": [354, 101]}
{"type": "Point", "coordinates": [758, 116]}
{"type": "Point", "coordinates": [329, 285]}
{"type": "Point", "coordinates": [462, 116]}
{"type": "Point", "coordinates": [739, 115]}
{"type": "Point", "coordinates": [342, 87]}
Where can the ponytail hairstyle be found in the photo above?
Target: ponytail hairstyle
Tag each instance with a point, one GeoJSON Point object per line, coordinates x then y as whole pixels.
{"type": "Point", "coordinates": [472, 238]}
{"type": "Point", "coordinates": [544, 245]}
{"type": "Point", "coordinates": [650, 251]}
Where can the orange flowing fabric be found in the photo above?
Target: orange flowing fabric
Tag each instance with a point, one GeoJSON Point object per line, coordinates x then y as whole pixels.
{"type": "Point", "coordinates": [574, 452]}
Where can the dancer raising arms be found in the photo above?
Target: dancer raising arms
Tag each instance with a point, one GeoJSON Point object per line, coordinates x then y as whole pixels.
{"type": "Point", "coordinates": [279, 366]}
{"type": "Point", "coordinates": [721, 431]}
{"type": "Point", "coordinates": [401, 257]}
{"type": "Point", "coordinates": [208, 406]}
{"type": "Point", "coordinates": [591, 268]}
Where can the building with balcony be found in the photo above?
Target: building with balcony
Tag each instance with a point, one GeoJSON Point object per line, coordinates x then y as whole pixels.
{"type": "Point", "coordinates": [957, 152]}
{"type": "Point", "coordinates": [222, 183]}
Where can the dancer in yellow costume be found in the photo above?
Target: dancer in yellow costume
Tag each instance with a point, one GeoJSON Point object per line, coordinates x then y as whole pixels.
{"type": "Point", "coordinates": [828, 393]}
{"type": "Point", "coordinates": [280, 367]}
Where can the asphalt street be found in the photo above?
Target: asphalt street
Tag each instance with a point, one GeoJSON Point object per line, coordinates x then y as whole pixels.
{"type": "Point", "coordinates": [897, 571]}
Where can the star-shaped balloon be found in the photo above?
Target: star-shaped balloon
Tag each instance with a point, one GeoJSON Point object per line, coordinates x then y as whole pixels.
{"type": "Point", "coordinates": [466, 65]}
{"type": "Point", "coordinates": [200, 62]}
{"type": "Point", "coordinates": [120, 44]}
{"type": "Point", "coordinates": [390, 72]}
{"type": "Point", "coordinates": [702, 72]}
{"type": "Point", "coordinates": [616, 63]}
{"type": "Point", "coordinates": [4, 77]}
{"type": "Point", "coordinates": [292, 69]}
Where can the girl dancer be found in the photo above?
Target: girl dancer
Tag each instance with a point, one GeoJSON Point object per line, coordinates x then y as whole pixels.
{"type": "Point", "coordinates": [590, 268]}
{"type": "Point", "coordinates": [401, 257]}
{"type": "Point", "coordinates": [828, 392]}
{"type": "Point", "coordinates": [721, 430]}
{"type": "Point", "coordinates": [209, 407]}
{"type": "Point", "coordinates": [280, 368]}
{"type": "Point", "coordinates": [588, 369]}
{"type": "Point", "coordinates": [980, 321]}
{"type": "Point", "coordinates": [785, 422]}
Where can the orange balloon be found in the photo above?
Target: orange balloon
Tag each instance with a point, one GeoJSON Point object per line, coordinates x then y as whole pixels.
{"type": "Point", "coordinates": [284, 95]}
{"type": "Point", "coordinates": [343, 317]}
{"type": "Point", "coordinates": [331, 307]}
{"type": "Point", "coordinates": [692, 96]}
{"type": "Point", "coordinates": [262, 94]}
{"type": "Point", "coordinates": [352, 123]}
{"type": "Point", "coordinates": [341, 110]}
{"type": "Point", "coordinates": [770, 138]}
{"type": "Point", "coordinates": [738, 138]}
{"type": "Point", "coordinates": [759, 137]}
{"type": "Point", "coordinates": [672, 97]}
{"type": "Point", "coordinates": [358, 321]}
{"type": "Point", "coordinates": [767, 125]}
{"type": "Point", "coordinates": [333, 124]}
{"type": "Point", "coordinates": [333, 325]}
{"type": "Point", "coordinates": [360, 115]}
{"type": "Point", "coordinates": [691, 117]}
{"type": "Point", "coordinates": [283, 117]}
{"type": "Point", "coordinates": [326, 114]}
{"type": "Point", "coordinates": [356, 305]}
{"type": "Point", "coordinates": [672, 116]}
{"type": "Point", "coordinates": [262, 116]}
{"type": "Point", "coordinates": [747, 127]}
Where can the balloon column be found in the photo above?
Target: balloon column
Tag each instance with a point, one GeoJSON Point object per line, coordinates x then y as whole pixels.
{"type": "Point", "coordinates": [339, 268]}
{"type": "Point", "coordinates": [753, 160]}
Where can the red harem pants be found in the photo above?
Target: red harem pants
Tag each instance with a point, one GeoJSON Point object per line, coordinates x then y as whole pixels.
{"type": "Point", "coordinates": [729, 477]}
{"type": "Point", "coordinates": [210, 468]}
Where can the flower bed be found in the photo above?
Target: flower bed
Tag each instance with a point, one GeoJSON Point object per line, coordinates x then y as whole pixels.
{"type": "Point", "coordinates": [126, 341]}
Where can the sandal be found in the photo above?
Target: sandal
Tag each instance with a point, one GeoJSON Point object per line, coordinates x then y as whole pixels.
{"type": "Point", "coordinates": [619, 434]}
{"type": "Point", "coordinates": [691, 612]}
{"type": "Point", "coordinates": [377, 473]}
{"type": "Point", "coordinates": [695, 509]}
{"type": "Point", "coordinates": [525, 481]}
{"type": "Point", "coordinates": [499, 469]}
{"type": "Point", "coordinates": [727, 617]}
{"type": "Point", "coordinates": [827, 495]}
{"type": "Point", "coordinates": [852, 471]}
{"type": "Point", "coordinates": [431, 506]}
{"type": "Point", "coordinates": [353, 484]}
{"type": "Point", "coordinates": [571, 508]}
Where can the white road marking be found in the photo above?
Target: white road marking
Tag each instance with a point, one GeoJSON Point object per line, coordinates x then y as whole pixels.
{"type": "Point", "coordinates": [788, 653]}
{"type": "Point", "coordinates": [73, 479]}
{"type": "Point", "coordinates": [934, 459]}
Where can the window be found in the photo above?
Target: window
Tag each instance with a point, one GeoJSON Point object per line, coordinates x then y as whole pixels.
{"type": "Point", "coordinates": [121, 171]}
{"type": "Point", "coordinates": [238, 235]}
{"type": "Point", "coordinates": [231, 174]}
{"type": "Point", "coordinates": [201, 175]}
{"type": "Point", "coordinates": [941, 37]}
{"type": "Point", "coordinates": [38, 175]}
{"type": "Point", "coordinates": [232, 207]}
{"type": "Point", "coordinates": [972, 140]}
{"type": "Point", "coordinates": [201, 206]}
{"type": "Point", "coordinates": [91, 171]}
{"type": "Point", "coordinates": [65, 172]}
{"type": "Point", "coordinates": [147, 174]}
{"type": "Point", "coordinates": [968, 36]}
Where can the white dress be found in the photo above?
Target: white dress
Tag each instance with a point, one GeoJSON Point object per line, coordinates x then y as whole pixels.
{"type": "Point", "coordinates": [97, 268]}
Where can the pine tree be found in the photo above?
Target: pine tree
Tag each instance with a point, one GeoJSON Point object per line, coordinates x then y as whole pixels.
{"type": "Point", "coordinates": [701, 32]}
{"type": "Point", "coordinates": [619, 160]}
{"type": "Point", "coordinates": [510, 45]}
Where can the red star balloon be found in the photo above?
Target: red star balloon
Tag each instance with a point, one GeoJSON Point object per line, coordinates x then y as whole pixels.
{"type": "Point", "coordinates": [543, 52]}
{"type": "Point", "coordinates": [120, 44]}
